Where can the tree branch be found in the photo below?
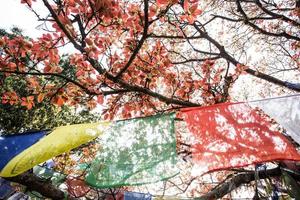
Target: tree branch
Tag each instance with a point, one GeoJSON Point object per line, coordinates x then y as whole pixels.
{"type": "Point", "coordinates": [53, 74]}
{"type": "Point", "coordinates": [35, 183]}
{"type": "Point", "coordinates": [62, 27]}
{"type": "Point", "coordinates": [135, 88]}
{"type": "Point", "coordinates": [140, 43]}
{"type": "Point", "coordinates": [226, 56]}
{"type": "Point", "coordinates": [246, 19]}
{"type": "Point", "coordinates": [238, 180]}
{"type": "Point", "coordinates": [275, 15]}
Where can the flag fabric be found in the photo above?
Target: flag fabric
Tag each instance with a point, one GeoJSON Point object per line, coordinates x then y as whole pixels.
{"type": "Point", "coordinates": [233, 135]}
{"type": "Point", "coordinates": [60, 140]}
{"type": "Point", "coordinates": [47, 173]}
{"type": "Point", "coordinates": [171, 198]}
{"type": "Point", "coordinates": [143, 150]}
{"type": "Point", "coordinates": [5, 189]}
{"type": "Point", "coordinates": [134, 152]}
{"type": "Point", "coordinates": [12, 145]}
{"type": "Point", "coordinates": [126, 195]}
{"type": "Point", "coordinates": [285, 110]}
{"type": "Point", "coordinates": [137, 196]}
{"type": "Point", "coordinates": [118, 196]}
{"type": "Point", "coordinates": [19, 196]}
{"type": "Point", "coordinates": [76, 187]}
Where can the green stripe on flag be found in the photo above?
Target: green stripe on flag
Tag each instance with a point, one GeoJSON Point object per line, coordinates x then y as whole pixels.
{"type": "Point", "coordinates": [134, 152]}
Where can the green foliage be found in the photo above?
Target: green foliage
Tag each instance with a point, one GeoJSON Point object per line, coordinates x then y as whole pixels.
{"type": "Point", "coordinates": [15, 119]}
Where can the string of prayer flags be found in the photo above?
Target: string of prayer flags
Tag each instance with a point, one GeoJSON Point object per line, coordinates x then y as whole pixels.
{"type": "Point", "coordinates": [134, 152]}
{"type": "Point", "coordinates": [233, 135]}
{"type": "Point", "coordinates": [60, 140]}
{"type": "Point", "coordinates": [285, 110]}
{"type": "Point", "coordinates": [137, 196]}
{"type": "Point", "coordinates": [143, 150]}
{"type": "Point", "coordinates": [12, 145]}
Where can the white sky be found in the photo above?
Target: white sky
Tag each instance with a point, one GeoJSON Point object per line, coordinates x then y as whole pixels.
{"type": "Point", "coordinates": [13, 13]}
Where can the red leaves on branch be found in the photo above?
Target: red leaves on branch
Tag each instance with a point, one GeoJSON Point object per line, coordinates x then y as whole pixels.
{"type": "Point", "coordinates": [60, 99]}
{"type": "Point", "coordinates": [166, 2]}
{"type": "Point", "coordinates": [28, 102]}
{"type": "Point", "coordinates": [11, 66]}
{"type": "Point", "coordinates": [10, 98]}
{"type": "Point", "coordinates": [191, 11]}
{"type": "Point", "coordinates": [113, 30]}
{"type": "Point", "coordinates": [40, 97]}
{"type": "Point", "coordinates": [100, 99]}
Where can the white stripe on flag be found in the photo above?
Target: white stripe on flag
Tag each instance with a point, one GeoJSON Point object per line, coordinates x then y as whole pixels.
{"type": "Point", "coordinates": [285, 110]}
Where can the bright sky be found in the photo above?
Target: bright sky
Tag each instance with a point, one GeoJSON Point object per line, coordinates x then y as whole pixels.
{"type": "Point", "coordinates": [13, 13]}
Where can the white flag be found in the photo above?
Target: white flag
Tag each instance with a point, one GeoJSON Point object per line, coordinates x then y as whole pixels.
{"type": "Point", "coordinates": [285, 110]}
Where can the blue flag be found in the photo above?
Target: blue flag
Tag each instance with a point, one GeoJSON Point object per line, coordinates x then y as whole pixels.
{"type": "Point", "coordinates": [12, 145]}
{"type": "Point", "coordinates": [137, 196]}
{"type": "Point", "coordinates": [5, 189]}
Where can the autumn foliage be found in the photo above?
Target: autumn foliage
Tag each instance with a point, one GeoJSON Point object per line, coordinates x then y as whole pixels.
{"type": "Point", "coordinates": [129, 57]}
{"type": "Point", "coordinates": [138, 58]}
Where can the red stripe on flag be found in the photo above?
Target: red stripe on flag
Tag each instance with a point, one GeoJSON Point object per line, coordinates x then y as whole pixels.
{"type": "Point", "coordinates": [234, 135]}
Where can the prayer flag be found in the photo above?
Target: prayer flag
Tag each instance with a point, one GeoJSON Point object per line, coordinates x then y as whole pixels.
{"type": "Point", "coordinates": [12, 145]}
{"type": "Point", "coordinates": [137, 196]}
{"type": "Point", "coordinates": [234, 135]}
{"type": "Point", "coordinates": [47, 173]}
{"type": "Point", "coordinates": [134, 152]}
{"type": "Point", "coordinates": [285, 110]}
{"type": "Point", "coordinates": [5, 189]}
{"type": "Point", "coordinates": [172, 198]}
{"type": "Point", "coordinates": [117, 196]}
{"type": "Point", "coordinates": [76, 187]}
{"type": "Point", "coordinates": [19, 196]}
{"type": "Point", "coordinates": [61, 140]}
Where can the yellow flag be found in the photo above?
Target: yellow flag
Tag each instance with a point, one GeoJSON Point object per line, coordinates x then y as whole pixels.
{"type": "Point", "coordinates": [60, 140]}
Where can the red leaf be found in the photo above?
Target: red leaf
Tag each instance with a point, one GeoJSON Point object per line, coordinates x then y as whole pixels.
{"type": "Point", "coordinates": [41, 97]}
{"type": "Point", "coordinates": [100, 99]}
{"type": "Point", "coordinates": [166, 2]}
{"type": "Point", "coordinates": [60, 101]}
{"type": "Point", "coordinates": [28, 102]}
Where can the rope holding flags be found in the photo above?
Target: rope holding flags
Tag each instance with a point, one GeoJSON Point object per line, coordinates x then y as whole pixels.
{"type": "Point", "coordinates": [143, 150]}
